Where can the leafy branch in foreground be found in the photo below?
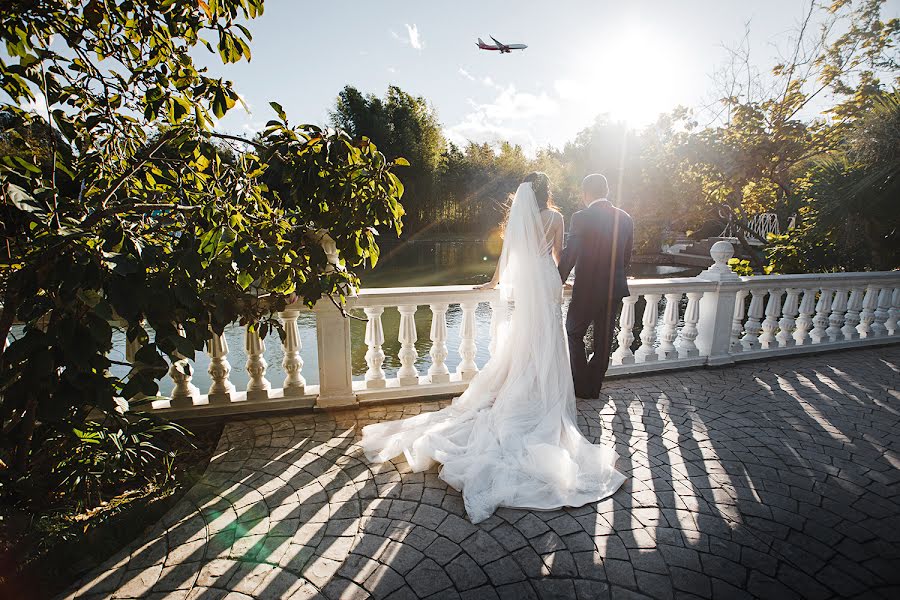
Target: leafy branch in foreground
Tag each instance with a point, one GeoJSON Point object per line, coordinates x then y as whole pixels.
{"type": "Point", "coordinates": [127, 210]}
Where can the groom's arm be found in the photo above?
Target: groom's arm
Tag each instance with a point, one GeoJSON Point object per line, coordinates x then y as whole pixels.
{"type": "Point", "coordinates": [570, 252]}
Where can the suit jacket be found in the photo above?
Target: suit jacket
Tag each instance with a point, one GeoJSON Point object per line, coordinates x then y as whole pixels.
{"type": "Point", "coordinates": [601, 237]}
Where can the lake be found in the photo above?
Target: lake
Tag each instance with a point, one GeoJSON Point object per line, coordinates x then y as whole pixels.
{"type": "Point", "coordinates": [413, 263]}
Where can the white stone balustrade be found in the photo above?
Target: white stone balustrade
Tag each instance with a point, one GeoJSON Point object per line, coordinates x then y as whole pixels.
{"type": "Point", "coordinates": [467, 368]}
{"type": "Point", "coordinates": [294, 383]}
{"type": "Point", "coordinates": [375, 377]}
{"type": "Point", "coordinates": [258, 387]}
{"type": "Point", "coordinates": [438, 371]}
{"type": "Point", "coordinates": [714, 319]}
{"type": "Point", "coordinates": [407, 375]}
{"type": "Point", "coordinates": [221, 390]}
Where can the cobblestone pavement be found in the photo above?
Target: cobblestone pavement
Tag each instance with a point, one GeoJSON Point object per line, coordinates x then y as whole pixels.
{"type": "Point", "coordinates": [775, 480]}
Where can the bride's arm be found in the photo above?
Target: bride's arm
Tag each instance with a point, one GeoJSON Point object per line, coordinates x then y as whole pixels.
{"type": "Point", "coordinates": [558, 233]}
{"type": "Point", "coordinates": [494, 280]}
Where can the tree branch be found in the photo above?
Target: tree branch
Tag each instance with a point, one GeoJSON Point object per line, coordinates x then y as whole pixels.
{"type": "Point", "coordinates": [96, 216]}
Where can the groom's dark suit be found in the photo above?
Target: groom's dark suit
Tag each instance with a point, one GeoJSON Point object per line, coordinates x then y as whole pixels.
{"type": "Point", "coordinates": [599, 247]}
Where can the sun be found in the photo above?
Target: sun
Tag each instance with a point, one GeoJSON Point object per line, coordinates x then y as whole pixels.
{"type": "Point", "coordinates": [631, 75]}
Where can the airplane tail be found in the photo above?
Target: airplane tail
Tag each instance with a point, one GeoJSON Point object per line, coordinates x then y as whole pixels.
{"type": "Point", "coordinates": [481, 42]}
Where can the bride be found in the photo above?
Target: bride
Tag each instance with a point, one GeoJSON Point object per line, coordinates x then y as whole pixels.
{"type": "Point", "coordinates": [511, 439]}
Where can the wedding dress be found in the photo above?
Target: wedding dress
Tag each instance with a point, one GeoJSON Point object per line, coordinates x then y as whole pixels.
{"type": "Point", "coordinates": [511, 439]}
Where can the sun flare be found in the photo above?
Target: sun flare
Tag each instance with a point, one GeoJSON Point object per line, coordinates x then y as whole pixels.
{"type": "Point", "coordinates": [632, 76]}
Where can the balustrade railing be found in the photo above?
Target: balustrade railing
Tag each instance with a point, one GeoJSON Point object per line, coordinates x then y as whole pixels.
{"type": "Point", "coordinates": [715, 318]}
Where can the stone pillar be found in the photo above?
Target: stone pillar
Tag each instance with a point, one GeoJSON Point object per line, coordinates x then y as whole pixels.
{"type": "Point", "coordinates": [294, 382]}
{"type": "Point", "coordinates": [467, 368]}
{"type": "Point", "coordinates": [438, 371]}
{"type": "Point", "coordinates": [717, 307]}
{"type": "Point", "coordinates": [375, 378]}
{"type": "Point", "coordinates": [221, 390]}
{"type": "Point", "coordinates": [408, 374]}
{"type": "Point", "coordinates": [335, 365]}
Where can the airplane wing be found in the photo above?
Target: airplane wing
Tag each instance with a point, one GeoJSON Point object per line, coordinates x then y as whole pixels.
{"type": "Point", "coordinates": [498, 42]}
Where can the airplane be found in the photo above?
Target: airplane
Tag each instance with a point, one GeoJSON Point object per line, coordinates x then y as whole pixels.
{"type": "Point", "coordinates": [503, 48]}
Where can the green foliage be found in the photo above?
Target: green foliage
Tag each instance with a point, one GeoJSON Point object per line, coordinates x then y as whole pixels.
{"type": "Point", "coordinates": [849, 219]}
{"type": "Point", "coordinates": [128, 208]}
{"type": "Point", "coordinates": [92, 457]}
{"type": "Point", "coordinates": [741, 267]}
{"type": "Point", "coordinates": [401, 125]}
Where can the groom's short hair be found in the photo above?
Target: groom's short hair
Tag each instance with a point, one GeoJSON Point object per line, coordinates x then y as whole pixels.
{"type": "Point", "coordinates": [595, 186]}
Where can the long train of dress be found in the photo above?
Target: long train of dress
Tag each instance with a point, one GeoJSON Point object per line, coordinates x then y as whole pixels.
{"type": "Point", "coordinates": [511, 439]}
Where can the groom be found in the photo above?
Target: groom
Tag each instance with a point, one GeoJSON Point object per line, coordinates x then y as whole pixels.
{"type": "Point", "coordinates": [599, 247]}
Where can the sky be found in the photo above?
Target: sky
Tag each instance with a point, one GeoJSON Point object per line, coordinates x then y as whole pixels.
{"type": "Point", "coordinates": [629, 59]}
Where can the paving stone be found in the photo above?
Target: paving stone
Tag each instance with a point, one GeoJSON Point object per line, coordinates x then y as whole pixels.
{"type": "Point", "coordinates": [655, 585]}
{"type": "Point", "coordinates": [485, 592]}
{"type": "Point", "coordinates": [465, 573]}
{"type": "Point", "coordinates": [503, 571]}
{"type": "Point", "coordinates": [456, 528]}
{"type": "Point", "coordinates": [517, 591]}
{"type": "Point", "coordinates": [591, 590]}
{"type": "Point", "coordinates": [758, 480]}
{"type": "Point", "coordinates": [483, 548]}
{"type": "Point", "coordinates": [554, 589]}
{"type": "Point", "coordinates": [619, 572]}
{"type": "Point", "coordinates": [429, 516]}
{"type": "Point", "coordinates": [442, 550]}
{"type": "Point", "coordinates": [690, 581]}
{"type": "Point", "coordinates": [509, 537]}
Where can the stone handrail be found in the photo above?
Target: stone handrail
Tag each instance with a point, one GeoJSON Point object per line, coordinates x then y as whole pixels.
{"type": "Point", "coordinates": [716, 318]}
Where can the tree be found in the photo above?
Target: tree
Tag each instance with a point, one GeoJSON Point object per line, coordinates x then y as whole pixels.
{"type": "Point", "coordinates": [756, 153]}
{"type": "Point", "coordinates": [124, 209]}
{"type": "Point", "coordinates": [401, 125]}
{"type": "Point", "coordinates": [849, 220]}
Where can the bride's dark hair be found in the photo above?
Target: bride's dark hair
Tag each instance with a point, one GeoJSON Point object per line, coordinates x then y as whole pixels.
{"type": "Point", "coordinates": [540, 184]}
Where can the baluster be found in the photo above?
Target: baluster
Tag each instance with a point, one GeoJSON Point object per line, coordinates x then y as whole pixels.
{"type": "Point", "coordinates": [836, 319]}
{"type": "Point", "coordinates": [804, 321]}
{"type": "Point", "coordinates": [750, 341]}
{"type": "Point", "coordinates": [623, 354]}
{"type": "Point", "coordinates": [375, 378]}
{"type": "Point", "coordinates": [882, 313]}
{"type": "Point", "coordinates": [184, 394]}
{"type": "Point", "coordinates": [292, 363]}
{"type": "Point", "coordinates": [737, 321]}
{"type": "Point", "coordinates": [220, 389]}
{"type": "Point", "coordinates": [893, 313]}
{"type": "Point", "coordinates": [131, 350]}
{"type": "Point", "coordinates": [787, 322]}
{"type": "Point", "coordinates": [670, 327]}
{"type": "Point", "coordinates": [851, 320]}
{"type": "Point", "coordinates": [688, 349]}
{"type": "Point", "coordinates": [499, 308]}
{"type": "Point", "coordinates": [258, 386]}
{"type": "Point", "coordinates": [408, 374]}
{"type": "Point", "coordinates": [770, 325]}
{"type": "Point", "coordinates": [647, 352]}
{"type": "Point", "coordinates": [867, 315]}
{"type": "Point", "coordinates": [820, 321]}
{"type": "Point", "coordinates": [467, 368]}
{"type": "Point", "coordinates": [438, 371]}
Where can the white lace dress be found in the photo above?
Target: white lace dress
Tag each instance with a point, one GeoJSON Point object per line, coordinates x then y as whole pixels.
{"type": "Point", "coordinates": [512, 439]}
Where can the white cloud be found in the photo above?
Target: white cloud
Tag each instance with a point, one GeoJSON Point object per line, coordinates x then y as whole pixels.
{"type": "Point", "coordinates": [490, 83]}
{"type": "Point", "coordinates": [412, 37]}
{"type": "Point", "coordinates": [475, 127]}
{"type": "Point", "coordinates": [567, 89]}
{"type": "Point", "coordinates": [511, 116]}
{"type": "Point", "coordinates": [512, 105]}
{"type": "Point", "coordinates": [466, 74]}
